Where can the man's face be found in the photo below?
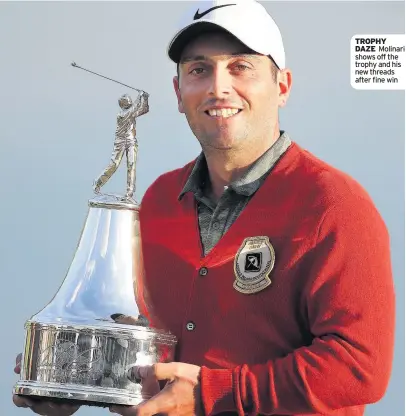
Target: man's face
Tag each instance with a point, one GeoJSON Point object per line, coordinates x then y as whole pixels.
{"type": "Point", "coordinates": [228, 93]}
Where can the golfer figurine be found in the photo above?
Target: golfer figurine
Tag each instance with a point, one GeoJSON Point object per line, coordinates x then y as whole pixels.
{"type": "Point", "coordinates": [125, 141]}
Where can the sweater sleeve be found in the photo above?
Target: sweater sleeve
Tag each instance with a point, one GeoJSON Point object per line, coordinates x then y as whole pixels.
{"type": "Point", "coordinates": [350, 302]}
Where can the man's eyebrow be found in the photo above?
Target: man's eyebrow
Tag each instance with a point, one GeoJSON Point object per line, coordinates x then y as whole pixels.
{"type": "Point", "coordinates": [191, 58]}
{"type": "Point", "coordinates": [246, 55]}
{"type": "Point", "coordinates": [195, 58]}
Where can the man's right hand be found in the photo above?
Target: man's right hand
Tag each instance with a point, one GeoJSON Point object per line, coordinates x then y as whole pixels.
{"type": "Point", "coordinates": [42, 407]}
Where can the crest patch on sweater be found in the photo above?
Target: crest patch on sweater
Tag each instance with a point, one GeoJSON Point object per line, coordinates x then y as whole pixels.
{"type": "Point", "coordinates": [253, 263]}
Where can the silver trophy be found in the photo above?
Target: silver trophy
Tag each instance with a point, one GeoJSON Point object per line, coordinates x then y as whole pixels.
{"type": "Point", "coordinates": [75, 349]}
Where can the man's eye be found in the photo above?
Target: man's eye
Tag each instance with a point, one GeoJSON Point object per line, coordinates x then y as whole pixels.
{"type": "Point", "coordinates": [196, 71]}
{"type": "Point", "coordinates": [242, 67]}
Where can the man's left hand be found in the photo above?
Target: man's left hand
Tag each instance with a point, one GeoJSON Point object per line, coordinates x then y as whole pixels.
{"type": "Point", "coordinates": [180, 396]}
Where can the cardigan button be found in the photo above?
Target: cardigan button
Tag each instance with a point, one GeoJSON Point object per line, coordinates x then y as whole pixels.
{"type": "Point", "coordinates": [203, 271]}
{"type": "Point", "coordinates": [190, 326]}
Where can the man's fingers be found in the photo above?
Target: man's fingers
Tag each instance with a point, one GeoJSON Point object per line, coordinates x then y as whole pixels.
{"type": "Point", "coordinates": [68, 408]}
{"type": "Point", "coordinates": [41, 408]}
{"type": "Point", "coordinates": [127, 320]}
{"type": "Point", "coordinates": [124, 319]}
{"type": "Point", "coordinates": [146, 376]}
{"type": "Point", "coordinates": [141, 372]}
{"type": "Point", "coordinates": [160, 371]}
{"type": "Point", "coordinates": [161, 403]}
{"type": "Point", "coordinates": [130, 320]}
{"type": "Point", "coordinates": [165, 371]}
{"type": "Point", "coordinates": [45, 407]}
{"type": "Point", "coordinates": [17, 368]}
{"type": "Point", "coordinates": [20, 401]}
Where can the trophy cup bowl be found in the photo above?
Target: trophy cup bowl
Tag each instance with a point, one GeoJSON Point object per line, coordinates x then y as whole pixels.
{"type": "Point", "coordinates": [74, 349]}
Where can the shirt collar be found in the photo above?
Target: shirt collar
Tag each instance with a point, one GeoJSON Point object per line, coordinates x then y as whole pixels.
{"type": "Point", "coordinates": [250, 182]}
{"type": "Point", "coordinates": [197, 178]}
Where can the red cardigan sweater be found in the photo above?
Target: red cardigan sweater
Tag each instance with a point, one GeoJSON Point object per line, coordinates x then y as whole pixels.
{"type": "Point", "coordinates": [318, 339]}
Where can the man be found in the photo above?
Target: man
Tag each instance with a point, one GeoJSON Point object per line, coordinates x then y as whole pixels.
{"type": "Point", "coordinates": [274, 268]}
{"type": "Point", "coordinates": [125, 141]}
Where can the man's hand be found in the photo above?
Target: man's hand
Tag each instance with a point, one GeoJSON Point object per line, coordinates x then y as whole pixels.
{"type": "Point", "coordinates": [42, 407]}
{"type": "Point", "coordinates": [119, 318]}
{"type": "Point", "coordinates": [180, 396]}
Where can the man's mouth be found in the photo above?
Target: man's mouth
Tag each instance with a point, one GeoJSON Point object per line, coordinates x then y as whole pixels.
{"type": "Point", "coordinates": [223, 112]}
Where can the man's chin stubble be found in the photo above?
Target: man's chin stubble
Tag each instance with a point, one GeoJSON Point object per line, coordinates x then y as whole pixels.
{"type": "Point", "coordinates": [218, 144]}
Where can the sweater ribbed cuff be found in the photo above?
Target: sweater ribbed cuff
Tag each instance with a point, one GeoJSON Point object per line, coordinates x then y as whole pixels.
{"type": "Point", "coordinates": [217, 391]}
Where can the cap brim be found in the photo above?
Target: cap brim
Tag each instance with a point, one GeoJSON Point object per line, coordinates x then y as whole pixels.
{"type": "Point", "coordinates": [187, 34]}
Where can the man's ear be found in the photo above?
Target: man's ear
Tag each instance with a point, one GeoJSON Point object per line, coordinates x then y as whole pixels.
{"type": "Point", "coordinates": [178, 96]}
{"type": "Point", "coordinates": [285, 86]}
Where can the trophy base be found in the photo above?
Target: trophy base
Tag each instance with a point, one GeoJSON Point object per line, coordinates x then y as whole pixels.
{"type": "Point", "coordinates": [71, 394]}
{"type": "Point", "coordinates": [89, 364]}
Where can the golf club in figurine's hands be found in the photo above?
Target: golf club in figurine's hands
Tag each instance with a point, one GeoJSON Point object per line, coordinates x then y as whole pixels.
{"type": "Point", "coordinates": [74, 64]}
{"type": "Point", "coordinates": [82, 346]}
{"type": "Point", "coordinates": [125, 141]}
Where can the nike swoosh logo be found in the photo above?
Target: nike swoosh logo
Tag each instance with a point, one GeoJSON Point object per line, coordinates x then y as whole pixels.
{"type": "Point", "coordinates": [200, 15]}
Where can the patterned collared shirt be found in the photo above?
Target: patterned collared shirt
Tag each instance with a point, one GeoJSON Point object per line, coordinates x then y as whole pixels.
{"type": "Point", "coordinates": [216, 219]}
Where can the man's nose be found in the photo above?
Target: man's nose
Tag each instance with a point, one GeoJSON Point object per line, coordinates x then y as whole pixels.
{"type": "Point", "coordinates": [220, 83]}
